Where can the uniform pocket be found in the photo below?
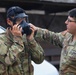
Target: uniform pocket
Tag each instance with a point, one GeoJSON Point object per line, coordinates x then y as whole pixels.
{"type": "Point", "coordinates": [2, 68]}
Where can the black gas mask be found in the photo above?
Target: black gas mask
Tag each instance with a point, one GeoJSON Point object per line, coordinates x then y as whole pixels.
{"type": "Point", "coordinates": [24, 24]}
{"type": "Point", "coordinates": [25, 27]}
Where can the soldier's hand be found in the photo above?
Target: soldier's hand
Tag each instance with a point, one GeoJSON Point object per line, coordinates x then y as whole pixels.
{"type": "Point", "coordinates": [16, 30]}
{"type": "Point", "coordinates": [31, 36]}
{"type": "Point", "coordinates": [33, 26]}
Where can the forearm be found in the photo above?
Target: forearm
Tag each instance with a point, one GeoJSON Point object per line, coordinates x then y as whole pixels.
{"type": "Point", "coordinates": [49, 36]}
{"type": "Point", "coordinates": [36, 50]}
{"type": "Point", "coordinates": [42, 34]}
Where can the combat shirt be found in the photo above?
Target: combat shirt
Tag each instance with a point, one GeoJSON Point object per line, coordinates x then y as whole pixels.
{"type": "Point", "coordinates": [68, 53]}
{"type": "Point", "coordinates": [16, 54]}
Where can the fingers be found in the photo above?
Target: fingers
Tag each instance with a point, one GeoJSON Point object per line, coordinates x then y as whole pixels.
{"type": "Point", "coordinates": [20, 28]}
{"type": "Point", "coordinates": [16, 30]}
{"type": "Point", "coordinates": [17, 27]}
{"type": "Point", "coordinates": [33, 26]}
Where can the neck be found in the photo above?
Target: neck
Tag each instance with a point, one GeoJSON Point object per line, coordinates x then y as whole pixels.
{"type": "Point", "coordinates": [74, 37]}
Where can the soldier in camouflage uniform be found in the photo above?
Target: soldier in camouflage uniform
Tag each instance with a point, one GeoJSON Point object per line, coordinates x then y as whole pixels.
{"type": "Point", "coordinates": [11, 44]}
{"type": "Point", "coordinates": [18, 51]}
{"type": "Point", "coordinates": [66, 40]}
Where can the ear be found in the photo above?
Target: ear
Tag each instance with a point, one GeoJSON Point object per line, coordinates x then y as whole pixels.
{"type": "Point", "coordinates": [9, 22]}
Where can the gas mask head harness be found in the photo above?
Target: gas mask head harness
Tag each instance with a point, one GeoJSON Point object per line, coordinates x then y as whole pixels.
{"type": "Point", "coordinates": [15, 13]}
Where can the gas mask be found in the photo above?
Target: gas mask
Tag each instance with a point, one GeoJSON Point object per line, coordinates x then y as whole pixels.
{"type": "Point", "coordinates": [25, 27]}
{"type": "Point", "coordinates": [24, 24]}
{"type": "Point", "coordinates": [15, 13]}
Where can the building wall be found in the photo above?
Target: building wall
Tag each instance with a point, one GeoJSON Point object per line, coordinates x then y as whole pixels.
{"type": "Point", "coordinates": [64, 1]}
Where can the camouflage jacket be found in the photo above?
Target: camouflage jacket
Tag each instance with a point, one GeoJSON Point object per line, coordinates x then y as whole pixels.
{"type": "Point", "coordinates": [16, 54]}
{"type": "Point", "coordinates": [68, 53]}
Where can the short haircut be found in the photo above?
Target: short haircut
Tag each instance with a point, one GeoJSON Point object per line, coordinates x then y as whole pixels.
{"type": "Point", "coordinates": [72, 13]}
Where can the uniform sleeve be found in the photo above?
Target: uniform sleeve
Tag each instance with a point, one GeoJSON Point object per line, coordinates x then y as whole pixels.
{"type": "Point", "coordinates": [14, 49]}
{"type": "Point", "coordinates": [52, 37]}
{"type": "Point", "coordinates": [3, 51]}
{"type": "Point", "coordinates": [37, 53]}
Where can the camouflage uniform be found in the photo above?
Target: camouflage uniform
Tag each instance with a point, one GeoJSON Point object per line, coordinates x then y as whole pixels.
{"type": "Point", "coordinates": [68, 54]}
{"type": "Point", "coordinates": [15, 57]}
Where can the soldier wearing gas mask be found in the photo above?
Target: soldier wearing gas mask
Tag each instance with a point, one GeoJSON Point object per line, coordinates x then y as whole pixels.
{"type": "Point", "coordinates": [17, 15]}
{"type": "Point", "coordinates": [21, 63]}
